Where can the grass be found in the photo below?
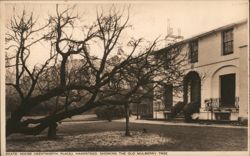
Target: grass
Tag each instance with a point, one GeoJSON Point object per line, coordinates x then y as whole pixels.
{"type": "Point", "coordinates": [186, 138]}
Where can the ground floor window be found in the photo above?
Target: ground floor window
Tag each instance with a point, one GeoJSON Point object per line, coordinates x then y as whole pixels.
{"type": "Point", "coordinates": [227, 90]}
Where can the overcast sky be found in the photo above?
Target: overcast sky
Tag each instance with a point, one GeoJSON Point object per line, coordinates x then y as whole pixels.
{"type": "Point", "coordinates": [149, 19]}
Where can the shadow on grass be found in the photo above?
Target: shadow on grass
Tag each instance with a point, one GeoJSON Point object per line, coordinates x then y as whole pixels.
{"type": "Point", "coordinates": [186, 138]}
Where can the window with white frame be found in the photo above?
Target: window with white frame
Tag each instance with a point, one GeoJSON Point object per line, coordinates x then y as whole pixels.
{"type": "Point", "coordinates": [227, 42]}
{"type": "Point", "coordinates": [193, 55]}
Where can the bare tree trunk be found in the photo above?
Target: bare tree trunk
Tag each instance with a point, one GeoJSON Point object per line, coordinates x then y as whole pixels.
{"type": "Point", "coordinates": [52, 131]}
{"type": "Point", "coordinates": [63, 70]}
{"type": "Point", "coordinates": [137, 111]}
{"type": "Point", "coordinates": [127, 131]}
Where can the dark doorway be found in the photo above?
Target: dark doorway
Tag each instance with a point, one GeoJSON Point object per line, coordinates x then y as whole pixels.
{"type": "Point", "coordinates": [227, 90]}
{"type": "Point", "coordinates": [192, 88]}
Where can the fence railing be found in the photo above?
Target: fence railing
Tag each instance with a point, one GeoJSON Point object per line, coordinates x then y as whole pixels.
{"type": "Point", "coordinates": [218, 103]}
{"type": "Point", "coordinates": [158, 106]}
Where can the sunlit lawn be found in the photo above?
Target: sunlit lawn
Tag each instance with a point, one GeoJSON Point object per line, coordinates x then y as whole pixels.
{"type": "Point", "coordinates": [178, 138]}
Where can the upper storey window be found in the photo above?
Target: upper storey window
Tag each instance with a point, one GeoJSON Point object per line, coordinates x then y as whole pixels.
{"type": "Point", "coordinates": [193, 55]}
{"type": "Point", "coordinates": [228, 42]}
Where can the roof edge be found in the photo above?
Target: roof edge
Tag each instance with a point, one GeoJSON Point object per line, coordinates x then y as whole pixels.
{"type": "Point", "coordinates": [216, 30]}
{"type": "Point", "coordinates": [207, 33]}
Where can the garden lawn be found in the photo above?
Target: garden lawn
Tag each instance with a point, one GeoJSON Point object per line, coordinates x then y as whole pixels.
{"type": "Point", "coordinates": [109, 136]}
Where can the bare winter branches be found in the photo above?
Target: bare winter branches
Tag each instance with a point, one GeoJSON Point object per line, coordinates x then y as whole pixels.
{"type": "Point", "coordinates": [72, 86]}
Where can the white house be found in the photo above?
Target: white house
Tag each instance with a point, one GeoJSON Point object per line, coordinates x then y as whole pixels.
{"type": "Point", "coordinates": [216, 73]}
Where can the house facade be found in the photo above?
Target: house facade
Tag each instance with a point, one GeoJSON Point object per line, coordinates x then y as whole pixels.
{"type": "Point", "coordinates": [216, 74]}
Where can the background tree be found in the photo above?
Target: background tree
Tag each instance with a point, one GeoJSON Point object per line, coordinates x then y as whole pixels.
{"type": "Point", "coordinates": [148, 70]}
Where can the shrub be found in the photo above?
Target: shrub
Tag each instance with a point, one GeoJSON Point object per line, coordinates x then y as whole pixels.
{"type": "Point", "coordinates": [189, 109]}
{"type": "Point", "coordinates": [146, 116]}
{"type": "Point", "coordinates": [110, 112]}
{"type": "Point", "coordinates": [243, 121]}
{"type": "Point", "coordinates": [177, 108]}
